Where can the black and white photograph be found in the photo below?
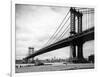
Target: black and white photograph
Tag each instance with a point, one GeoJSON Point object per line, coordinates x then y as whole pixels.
{"type": "Point", "coordinates": [53, 38]}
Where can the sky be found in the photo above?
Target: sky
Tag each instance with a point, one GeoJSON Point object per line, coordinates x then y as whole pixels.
{"type": "Point", "coordinates": [36, 24]}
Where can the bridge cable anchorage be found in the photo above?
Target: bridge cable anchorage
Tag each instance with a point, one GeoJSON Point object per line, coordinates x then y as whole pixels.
{"type": "Point", "coordinates": [57, 29]}
{"type": "Point", "coordinates": [62, 28]}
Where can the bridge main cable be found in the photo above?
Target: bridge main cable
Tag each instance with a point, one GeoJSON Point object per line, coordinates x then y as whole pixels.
{"type": "Point", "coordinates": [63, 33]}
{"type": "Point", "coordinates": [57, 30]}
{"type": "Point", "coordinates": [62, 28]}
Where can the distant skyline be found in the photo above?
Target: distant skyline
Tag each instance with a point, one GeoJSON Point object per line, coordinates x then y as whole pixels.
{"type": "Point", "coordinates": [35, 25]}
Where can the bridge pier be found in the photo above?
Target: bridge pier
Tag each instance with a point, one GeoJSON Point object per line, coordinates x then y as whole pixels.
{"type": "Point", "coordinates": [80, 51]}
{"type": "Point", "coordinates": [80, 57]}
{"type": "Point", "coordinates": [72, 51]}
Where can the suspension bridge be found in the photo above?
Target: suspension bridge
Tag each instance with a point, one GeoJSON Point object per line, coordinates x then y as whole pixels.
{"type": "Point", "coordinates": [71, 33]}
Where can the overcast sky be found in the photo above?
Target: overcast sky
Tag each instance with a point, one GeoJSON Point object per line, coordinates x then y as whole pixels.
{"type": "Point", "coordinates": [35, 25]}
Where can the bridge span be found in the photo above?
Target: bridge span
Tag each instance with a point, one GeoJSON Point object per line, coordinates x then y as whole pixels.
{"type": "Point", "coordinates": [86, 35]}
{"type": "Point", "coordinates": [76, 39]}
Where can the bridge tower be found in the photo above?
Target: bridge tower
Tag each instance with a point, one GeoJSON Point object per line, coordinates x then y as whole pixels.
{"type": "Point", "coordinates": [31, 51]}
{"type": "Point", "coordinates": [72, 32]}
{"type": "Point", "coordinates": [80, 43]}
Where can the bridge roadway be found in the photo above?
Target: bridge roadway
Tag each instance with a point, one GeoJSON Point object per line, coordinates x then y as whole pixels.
{"type": "Point", "coordinates": [84, 36]}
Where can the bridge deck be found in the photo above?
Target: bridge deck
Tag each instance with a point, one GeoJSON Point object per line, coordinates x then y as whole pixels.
{"type": "Point", "coordinates": [84, 36]}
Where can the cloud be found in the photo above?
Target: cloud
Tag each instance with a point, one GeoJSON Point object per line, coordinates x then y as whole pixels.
{"type": "Point", "coordinates": [60, 10]}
